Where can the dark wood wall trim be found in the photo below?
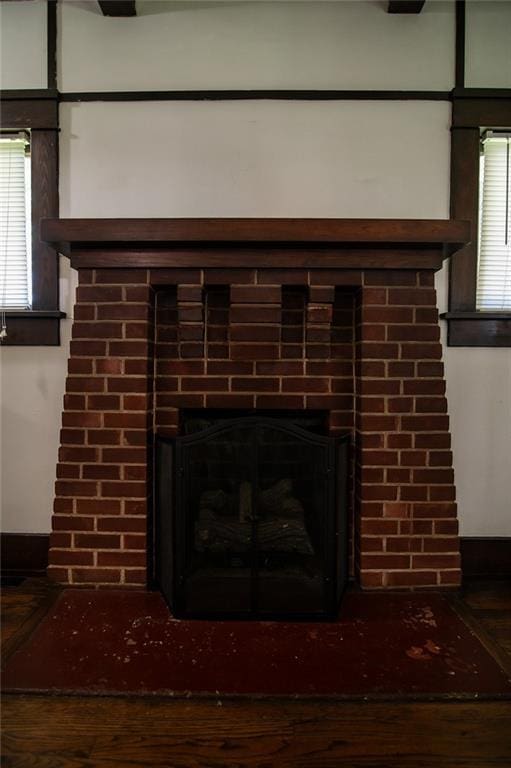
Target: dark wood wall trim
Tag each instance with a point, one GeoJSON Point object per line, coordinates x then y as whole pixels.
{"type": "Point", "coordinates": [471, 113]}
{"type": "Point", "coordinates": [42, 328]}
{"type": "Point", "coordinates": [459, 77]}
{"type": "Point", "coordinates": [486, 557]}
{"type": "Point", "coordinates": [251, 95]}
{"type": "Point", "coordinates": [24, 554]}
{"type": "Point", "coordinates": [52, 43]}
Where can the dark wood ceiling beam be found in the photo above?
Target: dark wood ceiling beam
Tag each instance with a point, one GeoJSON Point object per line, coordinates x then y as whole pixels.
{"type": "Point", "coordinates": [118, 7]}
{"type": "Point", "coordinates": [405, 6]}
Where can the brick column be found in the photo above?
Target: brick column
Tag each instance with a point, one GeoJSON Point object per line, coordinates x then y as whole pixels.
{"type": "Point", "coordinates": [103, 490]}
{"type": "Point", "coordinates": [407, 527]}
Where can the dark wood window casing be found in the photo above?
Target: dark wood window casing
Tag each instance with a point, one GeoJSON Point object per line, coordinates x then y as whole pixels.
{"type": "Point", "coordinates": [473, 111]}
{"type": "Point", "coordinates": [38, 112]}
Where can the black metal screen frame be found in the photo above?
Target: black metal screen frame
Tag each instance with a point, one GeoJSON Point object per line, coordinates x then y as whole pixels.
{"type": "Point", "coordinates": [171, 523]}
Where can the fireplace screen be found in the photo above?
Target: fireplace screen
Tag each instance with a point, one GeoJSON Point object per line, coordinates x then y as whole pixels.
{"type": "Point", "coordinates": [251, 520]}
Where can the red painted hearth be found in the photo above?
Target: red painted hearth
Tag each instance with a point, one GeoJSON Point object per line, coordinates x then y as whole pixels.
{"type": "Point", "coordinates": [336, 316]}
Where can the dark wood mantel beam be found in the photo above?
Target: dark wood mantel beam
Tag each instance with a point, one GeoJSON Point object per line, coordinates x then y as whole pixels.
{"type": "Point", "coordinates": [405, 6]}
{"type": "Point", "coordinates": [118, 7]}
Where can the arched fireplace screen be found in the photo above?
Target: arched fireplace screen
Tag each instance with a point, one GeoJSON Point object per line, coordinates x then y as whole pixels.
{"type": "Point", "coordinates": [251, 520]}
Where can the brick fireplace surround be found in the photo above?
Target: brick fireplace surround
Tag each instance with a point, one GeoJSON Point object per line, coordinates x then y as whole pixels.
{"type": "Point", "coordinates": [335, 316]}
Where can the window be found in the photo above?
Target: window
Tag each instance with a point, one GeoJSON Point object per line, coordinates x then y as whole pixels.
{"type": "Point", "coordinates": [29, 268]}
{"type": "Point", "coordinates": [494, 256]}
{"type": "Point", "coordinates": [15, 239]}
{"type": "Point", "coordinates": [479, 289]}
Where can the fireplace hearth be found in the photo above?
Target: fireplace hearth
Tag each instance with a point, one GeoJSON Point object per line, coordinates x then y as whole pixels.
{"type": "Point", "coordinates": [251, 520]}
{"type": "Point", "coordinates": [255, 319]}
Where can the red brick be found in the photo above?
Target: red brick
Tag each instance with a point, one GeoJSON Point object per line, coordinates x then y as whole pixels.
{"type": "Point", "coordinates": [442, 493]}
{"type": "Point", "coordinates": [101, 472]}
{"type": "Point", "coordinates": [122, 559]}
{"type": "Point", "coordinates": [370, 368]}
{"type": "Point", "coordinates": [229, 401]}
{"type": "Point", "coordinates": [254, 314]}
{"type": "Point", "coordinates": [399, 440]}
{"type": "Point", "coordinates": [135, 437]}
{"type": "Point", "coordinates": [60, 540]}
{"type": "Point", "coordinates": [430, 369]}
{"type": "Point", "coordinates": [435, 561]}
{"type": "Point", "coordinates": [74, 402]}
{"type": "Point", "coordinates": [75, 488]}
{"type": "Point", "coordinates": [128, 348]}
{"type": "Point", "coordinates": [430, 405]}
{"type": "Point", "coordinates": [450, 578]}
{"type": "Point", "coordinates": [404, 544]}
{"type": "Point", "coordinates": [136, 576]}
{"type": "Point", "coordinates": [77, 454]}
{"type": "Point", "coordinates": [180, 367]}
{"type": "Point", "coordinates": [413, 458]}
{"type": "Point", "coordinates": [71, 557]}
{"type": "Point", "coordinates": [231, 367]}
{"type": "Point", "coordinates": [396, 509]}
{"type": "Point", "coordinates": [98, 293]}
{"type": "Point", "coordinates": [349, 277]}
{"type": "Point", "coordinates": [124, 490]}
{"type": "Point", "coordinates": [72, 436]}
{"type": "Point", "coordinates": [413, 333]}
{"type": "Point", "coordinates": [441, 476]}
{"type": "Point", "coordinates": [282, 277]}
{"type": "Point", "coordinates": [110, 366]}
{"type": "Point", "coordinates": [446, 527]}
{"type": "Point", "coordinates": [426, 315]}
{"type": "Point", "coordinates": [414, 493]}
{"type": "Point", "coordinates": [96, 576]}
{"type": "Point", "coordinates": [371, 580]}
{"type": "Point", "coordinates": [255, 332]}
{"type": "Point", "coordinates": [390, 277]}
{"type": "Point", "coordinates": [379, 458]}
{"type": "Point", "coordinates": [434, 510]}
{"type": "Point", "coordinates": [68, 471]}
{"type": "Point", "coordinates": [128, 384]}
{"type": "Point", "coordinates": [204, 384]}
{"type": "Point", "coordinates": [175, 276]}
{"type": "Point", "coordinates": [122, 524]}
{"type": "Point", "coordinates": [371, 544]}
{"type": "Point", "coordinates": [387, 315]}
{"type": "Point", "coordinates": [84, 384]}
{"type": "Point", "coordinates": [189, 293]}
{"type": "Point", "coordinates": [374, 296]}
{"type": "Point", "coordinates": [343, 368]}
{"type": "Point", "coordinates": [254, 351]}
{"type": "Point", "coordinates": [142, 293]}
{"type": "Point", "coordinates": [424, 387]}
{"type": "Point", "coordinates": [417, 351]}
{"type": "Point", "coordinates": [103, 402]}
{"type": "Point", "coordinates": [425, 423]}
{"type": "Point", "coordinates": [136, 402]}
{"type": "Point", "coordinates": [378, 493]}
{"type": "Point", "coordinates": [133, 420]}
{"type": "Point", "coordinates": [135, 542]}
{"type": "Point", "coordinates": [255, 384]}
{"type": "Point", "coordinates": [98, 507]}
{"type": "Point", "coordinates": [371, 423]}
{"type": "Point", "coordinates": [400, 405]}
{"type": "Point", "coordinates": [133, 276]}
{"type": "Point", "coordinates": [411, 578]}
{"type": "Point", "coordinates": [96, 330]}
{"type": "Point", "coordinates": [79, 365]}
{"type": "Point", "coordinates": [433, 440]}
{"type": "Point", "coordinates": [104, 437]}
{"type": "Point", "coordinates": [122, 311]}
{"type": "Point", "coordinates": [256, 294]}
{"type": "Point", "coordinates": [63, 506]}
{"type": "Point", "coordinates": [229, 276]}
{"type": "Point", "coordinates": [384, 561]}
{"type": "Point", "coordinates": [441, 544]}
{"type": "Point", "coordinates": [412, 296]}
{"type": "Point", "coordinates": [72, 523]}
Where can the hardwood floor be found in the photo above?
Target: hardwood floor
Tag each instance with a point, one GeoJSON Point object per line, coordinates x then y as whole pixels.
{"type": "Point", "coordinates": [107, 732]}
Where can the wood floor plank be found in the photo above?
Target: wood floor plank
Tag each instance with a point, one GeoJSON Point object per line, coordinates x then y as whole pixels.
{"type": "Point", "coordinates": [114, 732]}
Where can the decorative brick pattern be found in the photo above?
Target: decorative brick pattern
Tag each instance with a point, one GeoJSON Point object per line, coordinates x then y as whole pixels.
{"type": "Point", "coordinates": [362, 347]}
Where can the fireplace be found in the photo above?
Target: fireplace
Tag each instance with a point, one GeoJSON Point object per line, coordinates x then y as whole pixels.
{"type": "Point", "coordinates": [250, 329]}
{"type": "Point", "coordinates": [251, 519]}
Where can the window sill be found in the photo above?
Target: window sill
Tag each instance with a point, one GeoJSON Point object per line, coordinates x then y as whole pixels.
{"type": "Point", "coordinates": [36, 328]}
{"type": "Point", "coordinates": [478, 329]}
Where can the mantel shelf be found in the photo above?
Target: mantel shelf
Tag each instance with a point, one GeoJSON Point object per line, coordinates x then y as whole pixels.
{"type": "Point", "coordinates": [281, 243]}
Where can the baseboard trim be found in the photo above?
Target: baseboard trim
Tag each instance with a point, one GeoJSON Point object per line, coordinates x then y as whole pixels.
{"type": "Point", "coordinates": [486, 557]}
{"type": "Point", "coordinates": [24, 554]}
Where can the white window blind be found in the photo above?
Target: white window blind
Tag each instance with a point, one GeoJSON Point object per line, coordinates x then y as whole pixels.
{"type": "Point", "coordinates": [494, 271]}
{"type": "Point", "coordinates": [15, 241]}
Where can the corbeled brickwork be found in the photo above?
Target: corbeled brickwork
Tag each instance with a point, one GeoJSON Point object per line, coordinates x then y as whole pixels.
{"type": "Point", "coordinates": [362, 346]}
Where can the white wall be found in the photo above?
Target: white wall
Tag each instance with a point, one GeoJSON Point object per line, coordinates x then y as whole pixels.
{"type": "Point", "coordinates": [23, 58]}
{"type": "Point", "coordinates": [261, 158]}
{"type": "Point", "coordinates": [199, 45]}
{"type": "Point", "coordinates": [488, 44]}
{"type": "Point", "coordinates": [255, 158]}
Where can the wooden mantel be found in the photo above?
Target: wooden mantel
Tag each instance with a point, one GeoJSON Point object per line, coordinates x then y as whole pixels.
{"type": "Point", "coordinates": [252, 243]}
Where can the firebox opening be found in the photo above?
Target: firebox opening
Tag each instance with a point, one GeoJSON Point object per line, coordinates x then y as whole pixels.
{"type": "Point", "coordinates": [251, 517]}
